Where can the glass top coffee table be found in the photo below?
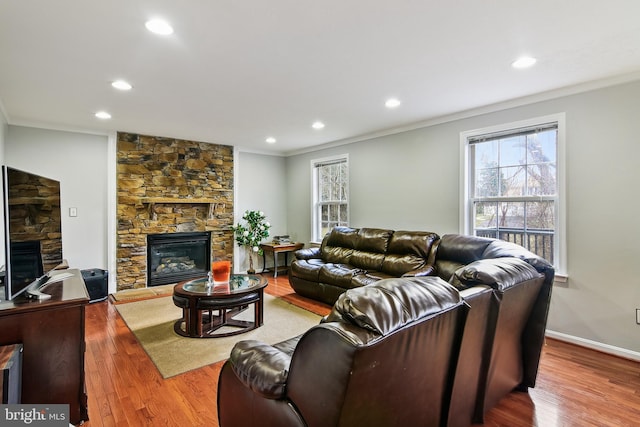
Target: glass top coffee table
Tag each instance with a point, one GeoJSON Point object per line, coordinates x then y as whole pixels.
{"type": "Point", "coordinates": [209, 311]}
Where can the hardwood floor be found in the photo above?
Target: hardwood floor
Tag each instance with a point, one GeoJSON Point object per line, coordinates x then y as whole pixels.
{"type": "Point", "coordinates": [575, 386]}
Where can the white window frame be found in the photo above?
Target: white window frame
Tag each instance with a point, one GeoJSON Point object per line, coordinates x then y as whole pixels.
{"type": "Point", "coordinates": [315, 217]}
{"type": "Point", "coordinates": [466, 206]}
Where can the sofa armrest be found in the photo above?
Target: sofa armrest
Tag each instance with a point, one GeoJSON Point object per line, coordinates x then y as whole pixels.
{"type": "Point", "coordinates": [499, 273]}
{"type": "Point", "coordinates": [261, 367]}
{"type": "Point", "coordinates": [307, 253]}
{"type": "Point", "coordinates": [427, 270]}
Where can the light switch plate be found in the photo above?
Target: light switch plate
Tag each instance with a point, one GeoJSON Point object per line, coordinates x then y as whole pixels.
{"type": "Point", "coordinates": [73, 211]}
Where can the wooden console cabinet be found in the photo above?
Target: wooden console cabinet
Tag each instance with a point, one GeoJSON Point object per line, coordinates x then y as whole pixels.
{"type": "Point", "coordinates": [52, 335]}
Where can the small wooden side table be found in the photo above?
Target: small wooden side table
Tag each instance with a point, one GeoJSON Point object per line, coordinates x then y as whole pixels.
{"type": "Point", "coordinates": [275, 249]}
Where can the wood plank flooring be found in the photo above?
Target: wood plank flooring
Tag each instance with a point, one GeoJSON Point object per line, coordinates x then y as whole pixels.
{"type": "Point", "coordinates": [575, 387]}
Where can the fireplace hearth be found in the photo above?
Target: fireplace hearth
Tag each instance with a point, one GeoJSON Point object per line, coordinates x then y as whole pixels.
{"type": "Point", "coordinates": [174, 257]}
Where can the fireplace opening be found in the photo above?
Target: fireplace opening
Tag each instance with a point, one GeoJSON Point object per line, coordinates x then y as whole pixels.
{"type": "Point", "coordinates": [174, 257]}
{"type": "Point", "coordinates": [26, 261]}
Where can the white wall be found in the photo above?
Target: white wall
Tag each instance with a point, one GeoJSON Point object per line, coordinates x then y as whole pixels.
{"type": "Point", "coordinates": [79, 162]}
{"type": "Point", "coordinates": [411, 181]}
{"type": "Point", "coordinates": [260, 184]}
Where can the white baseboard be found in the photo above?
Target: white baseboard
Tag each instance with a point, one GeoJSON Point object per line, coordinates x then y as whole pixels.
{"type": "Point", "coordinates": [594, 345]}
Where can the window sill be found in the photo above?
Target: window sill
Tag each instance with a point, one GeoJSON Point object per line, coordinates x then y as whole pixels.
{"type": "Point", "coordinates": [561, 279]}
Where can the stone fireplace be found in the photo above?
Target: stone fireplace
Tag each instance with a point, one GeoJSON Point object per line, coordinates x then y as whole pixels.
{"type": "Point", "coordinates": [170, 186]}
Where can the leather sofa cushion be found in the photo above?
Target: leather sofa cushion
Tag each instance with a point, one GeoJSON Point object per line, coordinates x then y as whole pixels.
{"type": "Point", "coordinates": [500, 249]}
{"type": "Point", "coordinates": [463, 249]}
{"type": "Point", "coordinates": [365, 251]}
{"type": "Point", "coordinates": [407, 251]}
{"type": "Point", "coordinates": [416, 243]}
{"type": "Point", "coordinates": [307, 253]}
{"type": "Point", "coordinates": [373, 240]}
{"type": "Point", "coordinates": [342, 236]}
{"type": "Point", "coordinates": [446, 270]}
{"type": "Point", "coordinates": [366, 260]}
{"type": "Point", "coordinates": [338, 245]}
{"type": "Point", "coordinates": [336, 254]}
{"type": "Point", "coordinates": [397, 265]}
{"type": "Point", "coordinates": [307, 269]}
{"type": "Point", "coordinates": [389, 304]}
{"type": "Point", "coordinates": [455, 251]}
{"type": "Point", "coordinates": [261, 367]}
{"type": "Point", "coordinates": [338, 274]}
{"type": "Point", "coordinates": [499, 273]}
{"type": "Point", "coordinates": [368, 278]}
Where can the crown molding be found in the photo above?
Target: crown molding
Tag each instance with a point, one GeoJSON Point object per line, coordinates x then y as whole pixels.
{"type": "Point", "coordinates": [492, 108]}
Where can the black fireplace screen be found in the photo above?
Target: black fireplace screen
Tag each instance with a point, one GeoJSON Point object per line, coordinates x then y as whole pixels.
{"type": "Point", "coordinates": [174, 257]}
{"type": "Point", "coordinates": [26, 262]}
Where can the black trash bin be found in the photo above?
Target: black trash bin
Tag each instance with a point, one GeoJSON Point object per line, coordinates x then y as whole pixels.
{"type": "Point", "coordinates": [96, 281]}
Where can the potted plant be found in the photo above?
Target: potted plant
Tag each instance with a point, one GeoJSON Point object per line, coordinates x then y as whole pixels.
{"type": "Point", "coordinates": [251, 233]}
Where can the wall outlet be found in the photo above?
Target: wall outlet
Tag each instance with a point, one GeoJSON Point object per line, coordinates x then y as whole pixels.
{"type": "Point", "coordinates": [638, 316]}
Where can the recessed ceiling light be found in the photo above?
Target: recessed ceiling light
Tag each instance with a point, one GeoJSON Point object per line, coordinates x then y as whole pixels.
{"type": "Point", "coordinates": [121, 85]}
{"type": "Point", "coordinates": [103, 115]}
{"type": "Point", "coordinates": [392, 103]}
{"type": "Point", "coordinates": [317, 125]}
{"type": "Point", "coordinates": [158, 26]}
{"type": "Point", "coordinates": [524, 62]}
{"type": "Point", "coordinates": [270, 140]}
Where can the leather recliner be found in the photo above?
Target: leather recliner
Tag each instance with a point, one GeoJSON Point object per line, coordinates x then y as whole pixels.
{"type": "Point", "coordinates": [386, 355]}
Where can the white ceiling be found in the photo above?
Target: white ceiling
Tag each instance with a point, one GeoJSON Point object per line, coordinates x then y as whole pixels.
{"type": "Point", "coordinates": [235, 72]}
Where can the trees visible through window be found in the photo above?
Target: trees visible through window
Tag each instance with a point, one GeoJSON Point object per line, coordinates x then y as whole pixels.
{"type": "Point", "coordinates": [331, 195]}
{"type": "Point", "coordinates": [513, 187]}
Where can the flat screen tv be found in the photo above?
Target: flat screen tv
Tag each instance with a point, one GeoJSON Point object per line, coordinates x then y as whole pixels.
{"type": "Point", "coordinates": [33, 230]}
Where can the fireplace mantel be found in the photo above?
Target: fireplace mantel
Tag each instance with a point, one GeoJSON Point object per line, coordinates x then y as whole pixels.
{"type": "Point", "coordinates": [214, 205]}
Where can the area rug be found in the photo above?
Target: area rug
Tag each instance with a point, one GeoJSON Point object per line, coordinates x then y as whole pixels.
{"type": "Point", "coordinates": [152, 322]}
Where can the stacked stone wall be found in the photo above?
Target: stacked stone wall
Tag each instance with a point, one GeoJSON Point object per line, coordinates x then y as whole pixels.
{"type": "Point", "coordinates": [152, 172]}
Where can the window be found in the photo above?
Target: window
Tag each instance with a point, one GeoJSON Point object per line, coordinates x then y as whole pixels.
{"type": "Point", "coordinates": [513, 185]}
{"type": "Point", "coordinates": [330, 195]}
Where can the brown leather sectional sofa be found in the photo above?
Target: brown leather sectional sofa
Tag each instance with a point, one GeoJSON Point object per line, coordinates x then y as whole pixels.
{"type": "Point", "coordinates": [496, 348]}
